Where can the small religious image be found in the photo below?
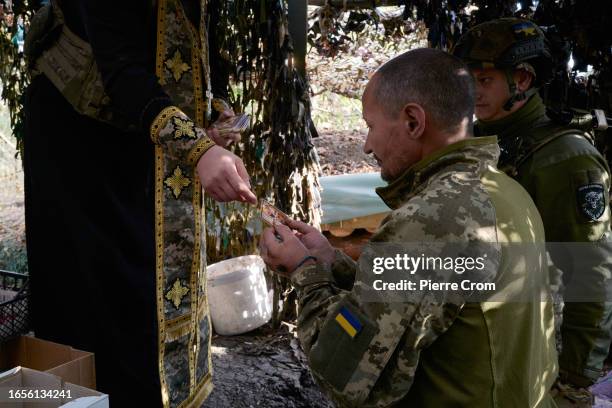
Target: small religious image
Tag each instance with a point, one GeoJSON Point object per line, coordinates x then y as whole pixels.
{"type": "Point", "coordinates": [272, 215]}
{"type": "Point", "coordinates": [237, 124]}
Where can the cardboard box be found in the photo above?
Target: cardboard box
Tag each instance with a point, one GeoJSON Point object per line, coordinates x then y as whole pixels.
{"type": "Point", "coordinates": [71, 365]}
{"type": "Point", "coordinates": [64, 394]}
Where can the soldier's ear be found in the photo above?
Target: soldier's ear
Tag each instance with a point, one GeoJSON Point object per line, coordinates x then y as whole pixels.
{"type": "Point", "coordinates": [414, 119]}
{"type": "Point", "coordinates": [523, 79]}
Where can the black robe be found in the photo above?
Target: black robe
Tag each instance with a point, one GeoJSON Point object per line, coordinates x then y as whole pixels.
{"type": "Point", "coordinates": [89, 201]}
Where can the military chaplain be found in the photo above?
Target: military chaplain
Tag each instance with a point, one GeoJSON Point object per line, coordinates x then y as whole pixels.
{"type": "Point", "coordinates": [118, 147]}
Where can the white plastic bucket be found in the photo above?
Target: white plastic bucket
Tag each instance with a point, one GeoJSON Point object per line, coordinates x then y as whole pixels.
{"type": "Point", "coordinates": [237, 295]}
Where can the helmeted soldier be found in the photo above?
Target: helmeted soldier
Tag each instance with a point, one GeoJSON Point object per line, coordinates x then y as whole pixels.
{"type": "Point", "coordinates": [563, 172]}
{"type": "Point", "coordinates": [117, 149]}
{"type": "Point", "coordinates": [427, 348]}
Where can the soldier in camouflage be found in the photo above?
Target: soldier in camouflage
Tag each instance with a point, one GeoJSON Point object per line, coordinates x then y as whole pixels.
{"type": "Point", "coordinates": [566, 176]}
{"type": "Point", "coordinates": [437, 349]}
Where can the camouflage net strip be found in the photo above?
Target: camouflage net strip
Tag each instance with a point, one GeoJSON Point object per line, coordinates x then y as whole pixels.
{"type": "Point", "coordinates": [277, 151]}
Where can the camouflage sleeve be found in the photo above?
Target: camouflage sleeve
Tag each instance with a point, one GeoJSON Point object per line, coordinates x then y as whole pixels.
{"type": "Point", "coordinates": [173, 130]}
{"type": "Point", "coordinates": [343, 270]}
{"type": "Point", "coordinates": [363, 348]}
{"type": "Point", "coordinates": [330, 280]}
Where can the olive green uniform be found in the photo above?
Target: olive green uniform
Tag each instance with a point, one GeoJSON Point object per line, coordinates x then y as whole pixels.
{"type": "Point", "coordinates": [562, 170]}
{"type": "Point", "coordinates": [448, 351]}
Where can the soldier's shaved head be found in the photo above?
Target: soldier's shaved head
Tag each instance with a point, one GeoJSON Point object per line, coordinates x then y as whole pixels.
{"type": "Point", "coordinates": [434, 79]}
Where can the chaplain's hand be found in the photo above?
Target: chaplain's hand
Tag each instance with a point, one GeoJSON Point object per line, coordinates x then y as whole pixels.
{"type": "Point", "coordinates": [313, 240]}
{"type": "Point", "coordinates": [224, 177]}
{"type": "Point", "coordinates": [226, 139]}
{"type": "Point", "coordinates": [281, 249]}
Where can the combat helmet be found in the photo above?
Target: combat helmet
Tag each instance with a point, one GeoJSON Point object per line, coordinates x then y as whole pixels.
{"type": "Point", "coordinates": [508, 44]}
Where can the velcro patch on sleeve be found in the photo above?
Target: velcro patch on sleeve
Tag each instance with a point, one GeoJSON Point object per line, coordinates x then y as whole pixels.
{"type": "Point", "coordinates": [591, 200]}
{"type": "Point", "coordinates": [591, 195]}
{"type": "Point", "coordinates": [342, 342]}
{"type": "Point", "coordinates": [349, 322]}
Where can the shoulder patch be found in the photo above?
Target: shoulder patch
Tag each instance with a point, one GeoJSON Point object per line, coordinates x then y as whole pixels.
{"type": "Point", "coordinates": [351, 324]}
{"type": "Point", "coordinates": [591, 200]}
{"type": "Point", "coordinates": [344, 341]}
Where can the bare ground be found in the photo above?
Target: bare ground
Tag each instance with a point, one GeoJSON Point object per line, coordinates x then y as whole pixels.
{"type": "Point", "coordinates": [262, 369]}
{"type": "Point", "coordinates": [341, 152]}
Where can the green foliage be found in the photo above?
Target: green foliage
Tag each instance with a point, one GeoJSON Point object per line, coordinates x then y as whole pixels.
{"type": "Point", "coordinates": [13, 73]}
{"type": "Point", "coordinates": [13, 256]}
{"type": "Point", "coordinates": [334, 111]}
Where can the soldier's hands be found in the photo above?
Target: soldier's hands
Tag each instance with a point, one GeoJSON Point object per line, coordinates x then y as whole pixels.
{"type": "Point", "coordinates": [224, 176]}
{"type": "Point", "coordinates": [313, 240]}
{"type": "Point", "coordinates": [227, 138]}
{"type": "Point", "coordinates": [281, 249]}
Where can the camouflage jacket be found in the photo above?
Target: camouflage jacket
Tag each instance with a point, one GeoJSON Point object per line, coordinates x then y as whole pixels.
{"type": "Point", "coordinates": [437, 349]}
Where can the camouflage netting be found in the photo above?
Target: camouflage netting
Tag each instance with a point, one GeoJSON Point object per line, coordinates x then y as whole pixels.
{"type": "Point", "coordinates": [277, 151]}
{"type": "Point", "coordinates": [576, 28]}
{"type": "Point", "coordinates": [579, 27]}
{"type": "Point", "coordinates": [14, 18]}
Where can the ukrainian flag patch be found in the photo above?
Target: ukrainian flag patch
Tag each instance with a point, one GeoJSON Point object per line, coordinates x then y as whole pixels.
{"type": "Point", "coordinates": [349, 323]}
{"type": "Point", "coordinates": [526, 29]}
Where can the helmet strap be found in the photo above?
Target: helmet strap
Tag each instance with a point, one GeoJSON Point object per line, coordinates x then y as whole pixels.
{"type": "Point", "coordinates": [512, 88]}
{"type": "Point", "coordinates": [515, 95]}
